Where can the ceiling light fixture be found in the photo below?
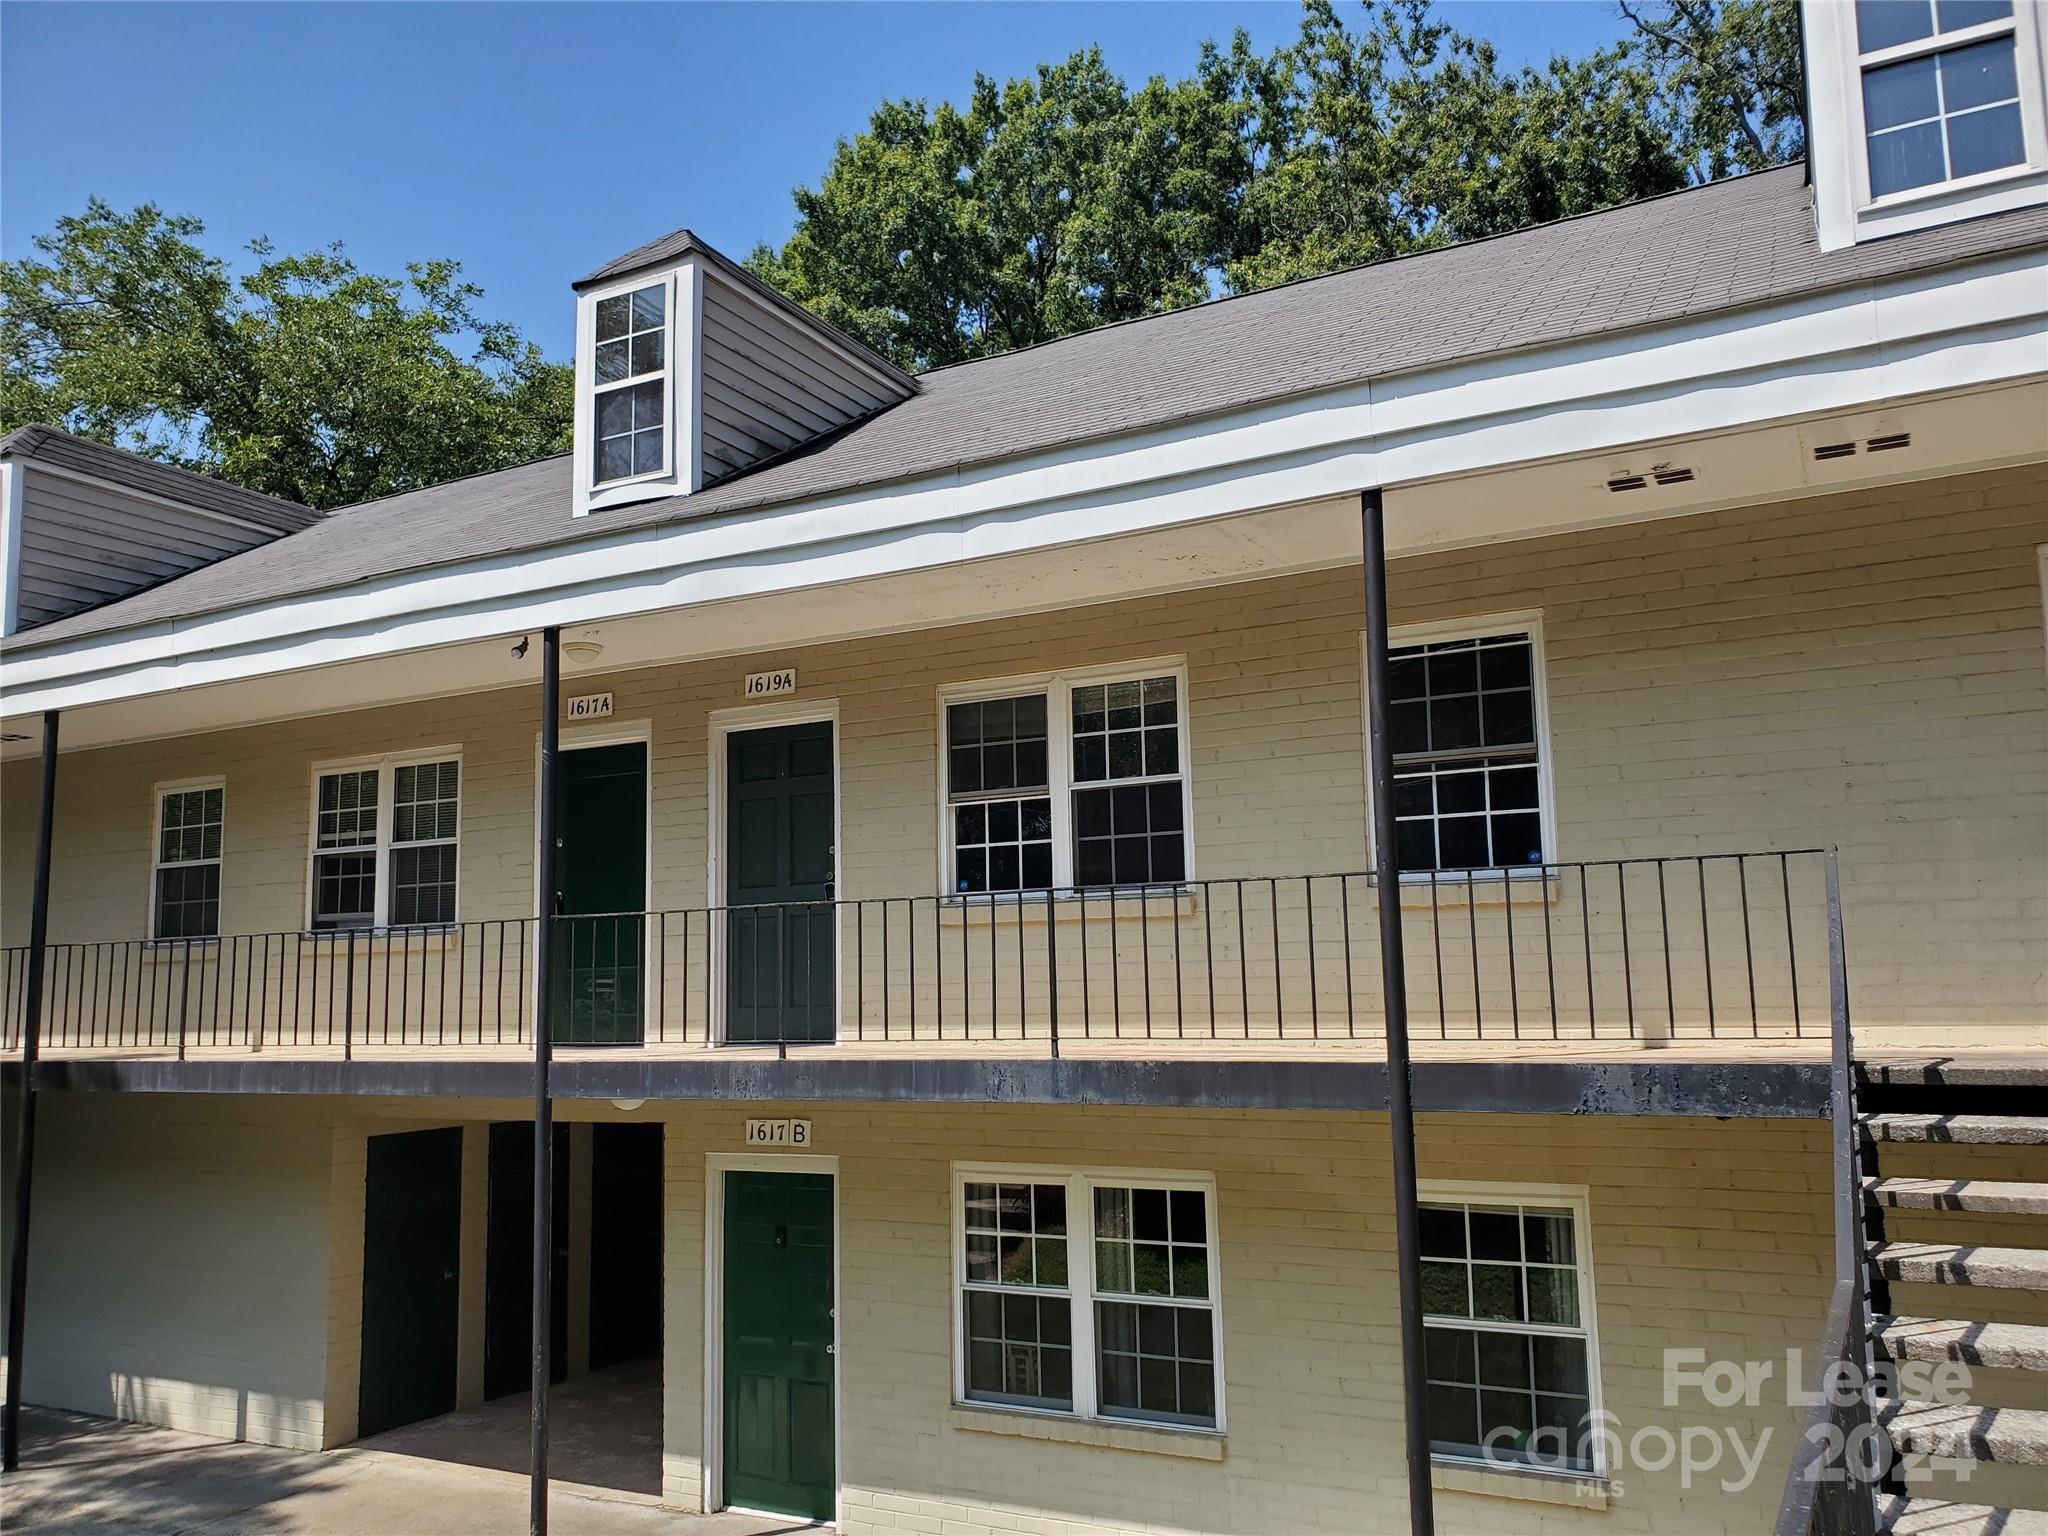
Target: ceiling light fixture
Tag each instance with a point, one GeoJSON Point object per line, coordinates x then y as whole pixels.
{"type": "Point", "coordinates": [582, 652]}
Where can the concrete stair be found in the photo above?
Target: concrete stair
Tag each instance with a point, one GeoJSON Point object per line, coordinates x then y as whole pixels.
{"type": "Point", "coordinates": [2004, 1269]}
{"type": "Point", "coordinates": [1930, 1105]}
{"type": "Point", "coordinates": [1904, 1516]}
{"type": "Point", "coordinates": [1973, 1130]}
{"type": "Point", "coordinates": [1995, 1195]}
{"type": "Point", "coordinates": [2001, 1346]}
{"type": "Point", "coordinates": [1965, 1432]}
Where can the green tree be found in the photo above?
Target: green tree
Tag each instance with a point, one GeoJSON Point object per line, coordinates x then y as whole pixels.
{"type": "Point", "coordinates": [1056, 203]}
{"type": "Point", "coordinates": [1047, 206]}
{"type": "Point", "coordinates": [307, 378]}
{"type": "Point", "coordinates": [1730, 71]}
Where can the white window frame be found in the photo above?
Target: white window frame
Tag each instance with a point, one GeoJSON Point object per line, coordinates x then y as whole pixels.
{"type": "Point", "coordinates": [1577, 1198]}
{"type": "Point", "coordinates": [1058, 688]}
{"type": "Point", "coordinates": [1436, 631]}
{"type": "Point", "coordinates": [386, 767]}
{"type": "Point", "coordinates": [1846, 210]}
{"type": "Point", "coordinates": [682, 308]}
{"type": "Point", "coordinates": [1081, 1184]}
{"type": "Point", "coordinates": [158, 792]}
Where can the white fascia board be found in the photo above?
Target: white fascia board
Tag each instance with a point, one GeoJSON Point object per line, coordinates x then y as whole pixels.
{"type": "Point", "coordinates": [1913, 336]}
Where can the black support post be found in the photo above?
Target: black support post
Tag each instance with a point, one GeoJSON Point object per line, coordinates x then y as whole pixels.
{"type": "Point", "coordinates": [543, 1103]}
{"type": "Point", "coordinates": [1394, 973]}
{"type": "Point", "coordinates": [25, 1110]}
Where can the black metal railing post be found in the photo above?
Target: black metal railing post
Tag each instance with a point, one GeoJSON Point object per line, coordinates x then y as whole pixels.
{"type": "Point", "coordinates": [543, 1104]}
{"type": "Point", "coordinates": [25, 1112]}
{"type": "Point", "coordinates": [1393, 970]}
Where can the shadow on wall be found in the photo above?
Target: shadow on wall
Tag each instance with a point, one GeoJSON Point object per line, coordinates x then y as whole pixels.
{"type": "Point", "coordinates": [202, 1409]}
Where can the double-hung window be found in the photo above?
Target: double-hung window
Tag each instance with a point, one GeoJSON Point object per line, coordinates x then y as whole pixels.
{"type": "Point", "coordinates": [1509, 1346]}
{"type": "Point", "coordinates": [385, 837]}
{"type": "Point", "coordinates": [630, 393]}
{"type": "Point", "coordinates": [1089, 1293]}
{"type": "Point", "coordinates": [1465, 721]}
{"type": "Point", "coordinates": [1941, 84]}
{"type": "Point", "coordinates": [1073, 780]}
{"type": "Point", "coordinates": [185, 880]}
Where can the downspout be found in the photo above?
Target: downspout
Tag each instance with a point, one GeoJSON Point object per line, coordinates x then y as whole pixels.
{"type": "Point", "coordinates": [1394, 975]}
{"type": "Point", "coordinates": [543, 1104]}
{"type": "Point", "coordinates": [25, 1118]}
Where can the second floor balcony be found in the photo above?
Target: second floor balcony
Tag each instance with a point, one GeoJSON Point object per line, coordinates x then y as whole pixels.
{"type": "Point", "coordinates": [1724, 951]}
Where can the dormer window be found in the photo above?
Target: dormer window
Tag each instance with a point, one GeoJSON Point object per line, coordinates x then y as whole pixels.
{"type": "Point", "coordinates": [1941, 91]}
{"type": "Point", "coordinates": [631, 368]}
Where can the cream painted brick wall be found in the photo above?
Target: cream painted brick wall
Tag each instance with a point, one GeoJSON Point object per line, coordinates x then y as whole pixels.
{"type": "Point", "coordinates": [178, 1270]}
{"type": "Point", "coordinates": [1864, 669]}
{"type": "Point", "coordinates": [1705, 1234]}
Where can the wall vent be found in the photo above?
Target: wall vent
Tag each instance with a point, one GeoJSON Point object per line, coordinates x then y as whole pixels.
{"type": "Point", "coordinates": [1627, 483]}
{"type": "Point", "coordinates": [1835, 451]}
{"type": "Point", "coordinates": [1669, 476]}
{"type": "Point", "coordinates": [1890, 440]}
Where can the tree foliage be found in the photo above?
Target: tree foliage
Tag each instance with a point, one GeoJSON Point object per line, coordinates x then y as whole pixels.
{"type": "Point", "coordinates": [1066, 200]}
{"type": "Point", "coordinates": [307, 378]}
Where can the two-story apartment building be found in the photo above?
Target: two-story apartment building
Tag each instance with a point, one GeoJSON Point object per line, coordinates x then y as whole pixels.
{"type": "Point", "coordinates": [928, 820]}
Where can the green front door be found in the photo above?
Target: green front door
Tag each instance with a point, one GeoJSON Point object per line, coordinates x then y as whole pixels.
{"type": "Point", "coordinates": [780, 931]}
{"type": "Point", "coordinates": [601, 885]}
{"type": "Point", "coordinates": [778, 1344]}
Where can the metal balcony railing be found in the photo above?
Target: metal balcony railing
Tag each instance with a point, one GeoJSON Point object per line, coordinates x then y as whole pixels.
{"type": "Point", "coordinates": [1655, 949]}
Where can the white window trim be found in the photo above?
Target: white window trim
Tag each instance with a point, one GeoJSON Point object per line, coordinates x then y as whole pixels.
{"type": "Point", "coordinates": [1577, 1198]}
{"type": "Point", "coordinates": [156, 848]}
{"type": "Point", "coordinates": [1845, 208]}
{"type": "Point", "coordinates": [1058, 688]}
{"type": "Point", "coordinates": [682, 471]}
{"type": "Point", "coordinates": [1529, 622]}
{"type": "Point", "coordinates": [1081, 1184]}
{"type": "Point", "coordinates": [387, 767]}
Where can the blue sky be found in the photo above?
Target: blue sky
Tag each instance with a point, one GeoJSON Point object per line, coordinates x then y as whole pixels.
{"type": "Point", "coordinates": [532, 142]}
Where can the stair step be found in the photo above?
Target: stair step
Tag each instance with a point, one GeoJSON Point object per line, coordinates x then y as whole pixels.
{"type": "Point", "coordinates": [2005, 1269]}
{"type": "Point", "coordinates": [1976, 1130]}
{"type": "Point", "coordinates": [1955, 1072]}
{"type": "Point", "coordinates": [2011, 1346]}
{"type": "Point", "coordinates": [1902, 1516]}
{"type": "Point", "coordinates": [1965, 1432]}
{"type": "Point", "coordinates": [1960, 1195]}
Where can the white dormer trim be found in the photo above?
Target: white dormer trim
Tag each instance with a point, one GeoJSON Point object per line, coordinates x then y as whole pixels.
{"type": "Point", "coordinates": [1845, 211]}
{"type": "Point", "coordinates": [682, 394]}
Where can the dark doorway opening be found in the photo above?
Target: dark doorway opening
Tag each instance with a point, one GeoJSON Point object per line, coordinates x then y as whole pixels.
{"type": "Point", "coordinates": [508, 1262]}
{"type": "Point", "coordinates": [626, 1179]}
{"type": "Point", "coordinates": [412, 1224]}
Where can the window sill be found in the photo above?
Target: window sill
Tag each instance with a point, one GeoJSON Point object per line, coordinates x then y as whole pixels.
{"type": "Point", "coordinates": [181, 947]}
{"type": "Point", "coordinates": [1574, 1490]}
{"type": "Point", "coordinates": [428, 934]}
{"type": "Point", "coordinates": [1460, 889]}
{"type": "Point", "coordinates": [1960, 187]}
{"type": "Point", "coordinates": [1195, 1444]}
{"type": "Point", "coordinates": [1154, 903]}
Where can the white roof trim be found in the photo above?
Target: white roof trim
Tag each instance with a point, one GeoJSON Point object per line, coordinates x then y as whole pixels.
{"type": "Point", "coordinates": [1961, 328]}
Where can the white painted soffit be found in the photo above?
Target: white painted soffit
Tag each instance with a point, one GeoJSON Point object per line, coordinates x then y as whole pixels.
{"type": "Point", "coordinates": [1958, 329]}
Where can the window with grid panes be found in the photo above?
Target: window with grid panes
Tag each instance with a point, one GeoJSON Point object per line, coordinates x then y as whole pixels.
{"type": "Point", "coordinates": [998, 794]}
{"type": "Point", "coordinates": [1941, 90]}
{"type": "Point", "coordinates": [185, 899]}
{"type": "Point", "coordinates": [1114, 1320]}
{"type": "Point", "coordinates": [1461, 718]}
{"type": "Point", "coordinates": [1155, 1324]}
{"type": "Point", "coordinates": [631, 372]}
{"type": "Point", "coordinates": [1018, 1311]}
{"type": "Point", "coordinates": [1128, 827]}
{"type": "Point", "coordinates": [1507, 1346]}
{"type": "Point", "coordinates": [345, 849]}
{"type": "Point", "coordinates": [424, 804]}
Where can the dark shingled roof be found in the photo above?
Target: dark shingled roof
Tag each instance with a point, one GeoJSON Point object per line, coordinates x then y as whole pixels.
{"type": "Point", "coordinates": [1746, 241]}
{"type": "Point", "coordinates": [50, 445]}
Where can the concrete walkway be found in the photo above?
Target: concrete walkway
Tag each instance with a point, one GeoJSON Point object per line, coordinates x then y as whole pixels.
{"type": "Point", "coordinates": [83, 1476]}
